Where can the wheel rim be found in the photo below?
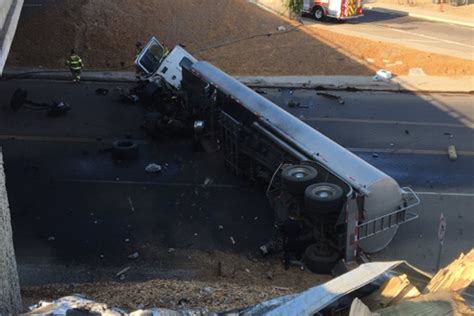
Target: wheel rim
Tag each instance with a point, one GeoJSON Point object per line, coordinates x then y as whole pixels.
{"type": "Point", "coordinates": [298, 173]}
{"type": "Point", "coordinates": [324, 191]}
{"type": "Point", "coordinates": [318, 14]}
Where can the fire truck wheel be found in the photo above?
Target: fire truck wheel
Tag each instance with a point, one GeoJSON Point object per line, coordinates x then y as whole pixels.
{"type": "Point", "coordinates": [319, 14]}
{"type": "Point", "coordinates": [296, 178]}
{"type": "Point", "coordinates": [323, 198]}
{"type": "Point", "coordinates": [125, 149]}
{"type": "Point", "coordinates": [318, 261]}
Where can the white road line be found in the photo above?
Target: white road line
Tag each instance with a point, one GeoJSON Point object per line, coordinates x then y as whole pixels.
{"type": "Point", "coordinates": [426, 36]}
{"type": "Point", "coordinates": [62, 139]}
{"type": "Point", "coordinates": [446, 194]}
{"type": "Point", "coordinates": [370, 121]}
{"type": "Point", "coordinates": [166, 184]}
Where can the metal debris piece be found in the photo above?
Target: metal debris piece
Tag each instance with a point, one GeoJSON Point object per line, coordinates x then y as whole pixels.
{"type": "Point", "coordinates": [331, 96]}
{"type": "Point", "coordinates": [453, 155]}
{"type": "Point", "coordinates": [207, 182]}
{"type": "Point", "coordinates": [153, 168]}
{"type": "Point", "coordinates": [102, 91]}
{"type": "Point", "coordinates": [134, 255]}
{"type": "Point", "coordinates": [293, 104]}
{"type": "Point", "coordinates": [123, 271]}
{"type": "Point", "coordinates": [232, 240]}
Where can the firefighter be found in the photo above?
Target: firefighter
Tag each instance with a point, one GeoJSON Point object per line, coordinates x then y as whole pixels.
{"type": "Point", "coordinates": [75, 66]}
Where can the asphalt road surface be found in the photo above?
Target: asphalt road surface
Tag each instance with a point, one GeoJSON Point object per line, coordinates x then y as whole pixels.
{"type": "Point", "coordinates": [435, 37]}
{"type": "Point", "coordinates": [72, 204]}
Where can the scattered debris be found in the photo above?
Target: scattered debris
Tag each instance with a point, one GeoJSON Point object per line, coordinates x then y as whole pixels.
{"type": "Point", "coordinates": [134, 255]}
{"type": "Point", "coordinates": [281, 28]}
{"type": "Point", "coordinates": [457, 276]}
{"type": "Point", "coordinates": [153, 168]}
{"type": "Point", "coordinates": [331, 96]}
{"type": "Point", "coordinates": [452, 153]}
{"type": "Point", "coordinates": [130, 202]}
{"type": "Point", "coordinates": [407, 132]}
{"type": "Point", "coordinates": [448, 134]}
{"type": "Point", "coordinates": [102, 91]}
{"type": "Point", "coordinates": [370, 60]}
{"type": "Point", "coordinates": [232, 240]}
{"type": "Point", "coordinates": [375, 155]}
{"type": "Point", "coordinates": [293, 104]}
{"type": "Point", "coordinates": [382, 75]}
{"type": "Point", "coordinates": [171, 250]}
{"type": "Point", "coordinates": [207, 290]}
{"type": "Point", "coordinates": [392, 144]}
{"type": "Point", "coordinates": [207, 182]}
{"type": "Point", "coordinates": [127, 240]}
{"type": "Point", "coordinates": [51, 238]}
{"type": "Point", "coordinates": [220, 227]}
{"type": "Point", "coordinates": [259, 91]}
{"type": "Point", "coordinates": [247, 270]}
{"type": "Point", "coordinates": [123, 271]}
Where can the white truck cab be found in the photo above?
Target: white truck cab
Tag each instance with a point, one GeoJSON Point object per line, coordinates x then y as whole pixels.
{"type": "Point", "coordinates": [156, 60]}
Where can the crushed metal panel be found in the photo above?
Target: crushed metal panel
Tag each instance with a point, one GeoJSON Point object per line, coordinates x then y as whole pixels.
{"type": "Point", "coordinates": [319, 297]}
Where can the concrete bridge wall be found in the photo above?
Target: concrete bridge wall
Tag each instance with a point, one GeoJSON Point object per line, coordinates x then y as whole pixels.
{"type": "Point", "coordinates": [9, 16]}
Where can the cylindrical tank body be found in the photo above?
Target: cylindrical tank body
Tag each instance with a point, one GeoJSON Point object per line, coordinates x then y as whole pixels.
{"type": "Point", "coordinates": [382, 193]}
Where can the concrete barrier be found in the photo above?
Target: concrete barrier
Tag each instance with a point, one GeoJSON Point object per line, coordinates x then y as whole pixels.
{"type": "Point", "coordinates": [9, 16]}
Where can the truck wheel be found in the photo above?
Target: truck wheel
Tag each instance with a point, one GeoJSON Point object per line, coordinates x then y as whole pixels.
{"type": "Point", "coordinates": [323, 198]}
{"type": "Point", "coordinates": [320, 262]}
{"type": "Point", "coordinates": [296, 178]}
{"type": "Point", "coordinates": [319, 14]}
{"type": "Point", "coordinates": [125, 149]}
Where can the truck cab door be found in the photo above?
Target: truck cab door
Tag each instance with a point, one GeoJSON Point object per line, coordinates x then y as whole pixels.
{"type": "Point", "coordinates": [151, 57]}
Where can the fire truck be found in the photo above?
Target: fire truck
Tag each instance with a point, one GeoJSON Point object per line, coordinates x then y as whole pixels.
{"type": "Point", "coordinates": [337, 9]}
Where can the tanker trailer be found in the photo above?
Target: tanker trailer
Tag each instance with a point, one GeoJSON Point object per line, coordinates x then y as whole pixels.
{"type": "Point", "coordinates": [346, 204]}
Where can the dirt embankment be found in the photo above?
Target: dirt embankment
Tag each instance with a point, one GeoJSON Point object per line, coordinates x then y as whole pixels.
{"type": "Point", "coordinates": [105, 32]}
{"type": "Point", "coordinates": [221, 281]}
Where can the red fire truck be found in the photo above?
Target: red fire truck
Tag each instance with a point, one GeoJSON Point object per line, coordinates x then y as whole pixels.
{"type": "Point", "coordinates": [337, 9]}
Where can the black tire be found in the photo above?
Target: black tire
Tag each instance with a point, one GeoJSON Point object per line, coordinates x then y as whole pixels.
{"type": "Point", "coordinates": [323, 198]}
{"type": "Point", "coordinates": [319, 14]}
{"type": "Point", "coordinates": [125, 149]}
{"type": "Point", "coordinates": [296, 178]}
{"type": "Point", "coordinates": [320, 262]}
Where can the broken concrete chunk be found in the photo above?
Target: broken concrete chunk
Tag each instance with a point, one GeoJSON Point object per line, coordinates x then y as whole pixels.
{"type": "Point", "coordinates": [452, 153]}
{"type": "Point", "coordinates": [134, 255]}
{"type": "Point", "coordinates": [153, 168]}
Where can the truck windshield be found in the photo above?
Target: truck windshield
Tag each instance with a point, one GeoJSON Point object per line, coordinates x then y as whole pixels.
{"type": "Point", "coordinates": [150, 59]}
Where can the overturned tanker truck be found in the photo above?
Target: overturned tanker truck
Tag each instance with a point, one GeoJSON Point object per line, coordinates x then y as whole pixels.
{"type": "Point", "coordinates": [347, 205]}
